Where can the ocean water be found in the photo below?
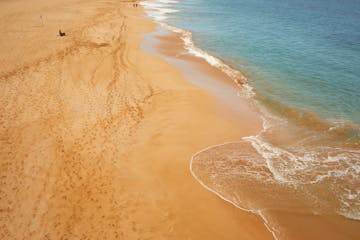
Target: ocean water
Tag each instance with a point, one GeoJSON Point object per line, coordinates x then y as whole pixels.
{"type": "Point", "coordinates": [305, 54]}
{"type": "Point", "coordinates": [301, 61]}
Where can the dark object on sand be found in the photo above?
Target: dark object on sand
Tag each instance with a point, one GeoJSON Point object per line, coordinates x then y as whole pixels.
{"type": "Point", "coordinates": [61, 34]}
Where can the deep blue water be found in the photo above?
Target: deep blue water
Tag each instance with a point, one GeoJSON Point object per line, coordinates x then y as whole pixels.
{"type": "Point", "coordinates": [302, 53]}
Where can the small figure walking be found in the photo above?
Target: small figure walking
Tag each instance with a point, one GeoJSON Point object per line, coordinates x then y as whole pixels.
{"type": "Point", "coordinates": [41, 20]}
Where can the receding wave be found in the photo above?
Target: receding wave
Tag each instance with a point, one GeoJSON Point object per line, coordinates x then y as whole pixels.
{"type": "Point", "coordinates": [159, 10]}
{"type": "Point", "coordinates": [234, 74]}
{"type": "Point", "coordinates": [337, 132]}
{"type": "Point", "coordinates": [285, 167]}
{"type": "Point", "coordinates": [298, 162]}
{"type": "Point", "coordinates": [254, 175]}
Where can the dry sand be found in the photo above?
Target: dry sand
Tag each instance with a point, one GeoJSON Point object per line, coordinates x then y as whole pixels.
{"type": "Point", "coordinates": [96, 135]}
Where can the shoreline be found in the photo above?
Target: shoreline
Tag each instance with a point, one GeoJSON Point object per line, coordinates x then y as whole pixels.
{"type": "Point", "coordinates": [170, 45]}
{"type": "Point", "coordinates": [318, 224]}
{"type": "Point", "coordinates": [97, 134]}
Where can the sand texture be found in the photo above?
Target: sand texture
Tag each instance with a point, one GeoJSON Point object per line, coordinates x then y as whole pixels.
{"type": "Point", "coordinates": [96, 135]}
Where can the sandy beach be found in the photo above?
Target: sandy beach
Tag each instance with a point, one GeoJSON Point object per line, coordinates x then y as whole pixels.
{"type": "Point", "coordinates": [285, 224]}
{"type": "Point", "coordinates": [98, 128]}
{"type": "Point", "coordinates": [97, 134]}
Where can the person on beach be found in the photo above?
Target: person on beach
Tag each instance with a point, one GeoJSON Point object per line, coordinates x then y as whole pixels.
{"type": "Point", "coordinates": [61, 34]}
{"type": "Point", "coordinates": [41, 20]}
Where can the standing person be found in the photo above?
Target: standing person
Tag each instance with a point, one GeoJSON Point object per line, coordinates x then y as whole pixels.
{"type": "Point", "coordinates": [41, 20]}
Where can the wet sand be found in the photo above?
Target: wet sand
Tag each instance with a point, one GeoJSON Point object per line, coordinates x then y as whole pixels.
{"type": "Point", "coordinates": [286, 224]}
{"type": "Point", "coordinates": [96, 134]}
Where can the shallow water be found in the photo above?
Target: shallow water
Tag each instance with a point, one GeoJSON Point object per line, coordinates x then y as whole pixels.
{"type": "Point", "coordinates": [301, 63]}
{"type": "Point", "coordinates": [305, 54]}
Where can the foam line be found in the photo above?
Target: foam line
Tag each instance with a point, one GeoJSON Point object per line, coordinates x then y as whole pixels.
{"type": "Point", "coordinates": [258, 212]}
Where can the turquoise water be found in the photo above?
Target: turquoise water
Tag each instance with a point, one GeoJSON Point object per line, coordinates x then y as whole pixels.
{"type": "Point", "coordinates": [302, 59]}
{"type": "Point", "coordinates": [305, 54]}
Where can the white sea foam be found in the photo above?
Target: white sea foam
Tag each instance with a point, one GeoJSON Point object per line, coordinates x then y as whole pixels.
{"type": "Point", "coordinates": [286, 167]}
{"type": "Point", "coordinates": [347, 210]}
{"type": "Point", "coordinates": [238, 77]}
{"type": "Point", "coordinates": [304, 172]}
{"type": "Point", "coordinates": [235, 203]}
{"type": "Point", "coordinates": [159, 11]}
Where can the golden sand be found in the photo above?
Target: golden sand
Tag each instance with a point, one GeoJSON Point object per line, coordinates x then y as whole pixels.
{"type": "Point", "coordinates": [287, 225]}
{"type": "Point", "coordinates": [96, 135]}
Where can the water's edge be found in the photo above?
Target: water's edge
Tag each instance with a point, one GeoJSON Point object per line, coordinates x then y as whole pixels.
{"type": "Point", "coordinates": [246, 91]}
